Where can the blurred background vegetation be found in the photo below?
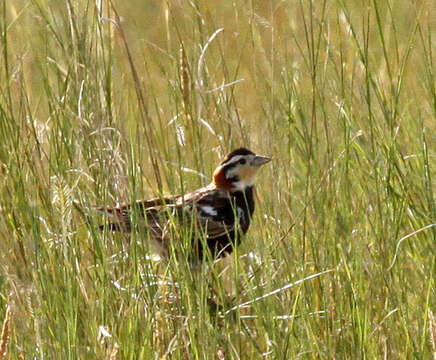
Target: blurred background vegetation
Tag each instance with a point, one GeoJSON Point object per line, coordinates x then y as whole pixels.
{"type": "Point", "coordinates": [104, 102]}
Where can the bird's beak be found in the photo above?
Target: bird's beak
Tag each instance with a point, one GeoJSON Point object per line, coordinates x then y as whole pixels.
{"type": "Point", "coordinates": [260, 160]}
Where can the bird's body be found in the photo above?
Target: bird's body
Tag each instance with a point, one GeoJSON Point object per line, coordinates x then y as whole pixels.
{"type": "Point", "coordinates": [215, 216]}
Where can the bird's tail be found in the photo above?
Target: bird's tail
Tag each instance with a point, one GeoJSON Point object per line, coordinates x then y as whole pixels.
{"type": "Point", "coordinates": [119, 223]}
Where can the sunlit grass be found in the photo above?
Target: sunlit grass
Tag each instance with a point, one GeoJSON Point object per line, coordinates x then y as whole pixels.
{"type": "Point", "coordinates": [99, 108]}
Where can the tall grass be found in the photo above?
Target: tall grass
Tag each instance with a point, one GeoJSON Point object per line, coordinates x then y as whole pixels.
{"type": "Point", "coordinates": [103, 102]}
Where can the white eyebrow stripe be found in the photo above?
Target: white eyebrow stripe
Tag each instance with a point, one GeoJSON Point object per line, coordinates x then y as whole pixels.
{"type": "Point", "coordinates": [232, 160]}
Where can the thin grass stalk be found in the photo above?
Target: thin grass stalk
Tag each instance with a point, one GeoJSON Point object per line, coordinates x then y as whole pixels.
{"type": "Point", "coordinates": [151, 144]}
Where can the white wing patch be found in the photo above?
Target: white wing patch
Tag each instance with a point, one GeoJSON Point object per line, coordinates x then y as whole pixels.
{"type": "Point", "coordinates": [209, 210]}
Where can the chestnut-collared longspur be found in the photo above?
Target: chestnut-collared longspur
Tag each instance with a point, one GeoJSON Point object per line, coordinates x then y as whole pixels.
{"type": "Point", "coordinates": [220, 212]}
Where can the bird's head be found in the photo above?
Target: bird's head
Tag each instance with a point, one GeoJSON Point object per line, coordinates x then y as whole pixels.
{"type": "Point", "coordinates": [238, 170]}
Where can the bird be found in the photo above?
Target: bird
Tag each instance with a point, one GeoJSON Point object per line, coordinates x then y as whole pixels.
{"type": "Point", "coordinates": [214, 217]}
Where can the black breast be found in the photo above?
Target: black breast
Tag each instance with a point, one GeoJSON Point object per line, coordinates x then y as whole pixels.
{"type": "Point", "coordinates": [240, 211]}
{"type": "Point", "coordinates": [244, 207]}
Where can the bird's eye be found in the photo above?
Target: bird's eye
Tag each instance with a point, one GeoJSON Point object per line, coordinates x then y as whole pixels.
{"type": "Point", "coordinates": [242, 161]}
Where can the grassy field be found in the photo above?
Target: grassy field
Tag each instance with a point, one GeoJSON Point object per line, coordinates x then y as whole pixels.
{"type": "Point", "coordinates": [102, 103]}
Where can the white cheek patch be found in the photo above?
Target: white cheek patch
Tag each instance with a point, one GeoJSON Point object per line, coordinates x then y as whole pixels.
{"type": "Point", "coordinates": [230, 173]}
